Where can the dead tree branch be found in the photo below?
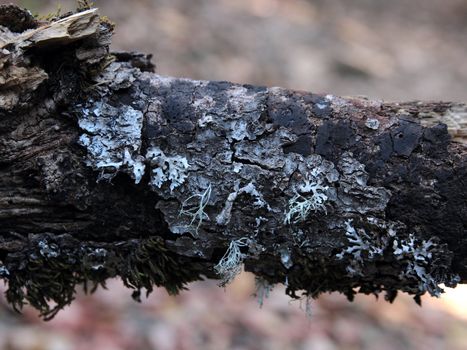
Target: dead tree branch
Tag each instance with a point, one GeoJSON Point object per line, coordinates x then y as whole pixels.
{"type": "Point", "coordinates": [107, 169]}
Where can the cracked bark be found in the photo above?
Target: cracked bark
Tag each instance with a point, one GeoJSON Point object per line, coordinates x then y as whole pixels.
{"type": "Point", "coordinates": [107, 169]}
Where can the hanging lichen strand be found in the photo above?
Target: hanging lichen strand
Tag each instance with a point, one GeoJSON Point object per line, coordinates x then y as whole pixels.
{"type": "Point", "coordinates": [161, 180]}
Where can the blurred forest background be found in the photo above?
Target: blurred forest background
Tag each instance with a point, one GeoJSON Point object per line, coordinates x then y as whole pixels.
{"type": "Point", "coordinates": [392, 50]}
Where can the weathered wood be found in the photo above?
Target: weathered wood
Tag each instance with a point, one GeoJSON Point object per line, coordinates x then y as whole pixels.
{"type": "Point", "coordinates": [107, 169]}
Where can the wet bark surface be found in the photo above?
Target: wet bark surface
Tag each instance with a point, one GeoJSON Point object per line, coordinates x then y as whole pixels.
{"type": "Point", "coordinates": [107, 169]}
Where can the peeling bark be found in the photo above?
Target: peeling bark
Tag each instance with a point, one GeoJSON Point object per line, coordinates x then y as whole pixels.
{"type": "Point", "coordinates": [107, 169]}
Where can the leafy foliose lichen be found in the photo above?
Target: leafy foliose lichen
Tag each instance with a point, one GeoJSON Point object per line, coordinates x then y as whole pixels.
{"type": "Point", "coordinates": [424, 264]}
{"type": "Point", "coordinates": [361, 246]}
{"type": "Point", "coordinates": [112, 138]}
{"type": "Point", "coordinates": [421, 259]}
{"type": "Point", "coordinates": [172, 169]}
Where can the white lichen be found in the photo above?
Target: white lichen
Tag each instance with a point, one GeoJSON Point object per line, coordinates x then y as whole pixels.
{"type": "Point", "coordinates": [372, 123]}
{"type": "Point", "coordinates": [321, 105]}
{"type": "Point", "coordinates": [4, 272]}
{"type": "Point", "coordinates": [311, 199]}
{"type": "Point", "coordinates": [48, 250]}
{"type": "Point", "coordinates": [165, 168]}
{"type": "Point", "coordinates": [239, 130]}
{"type": "Point", "coordinates": [259, 200]}
{"type": "Point", "coordinates": [241, 100]}
{"type": "Point", "coordinates": [194, 206]}
{"type": "Point", "coordinates": [237, 167]}
{"type": "Point", "coordinates": [286, 258]}
{"type": "Point", "coordinates": [418, 257]}
{"type": "Point", "coordinates": [231, 263]}
{"type": "Point", "coordinates": [112, 137]}
{"type": "Point", "coordinates": [224, 216]}
{"type": "Point", "coordinates": [360, 246]}
{"type": "Point", "coordinates": [135, 164]}
{"type": "Point", "coordinates": [258, 221]}
{"type": "Point", "coordinates": [205, 120]}
{"type": "Point", "coordinates": [94, 258]}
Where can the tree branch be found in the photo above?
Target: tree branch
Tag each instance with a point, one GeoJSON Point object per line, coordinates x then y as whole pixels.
{"type": "Point", "coordinates": [107, 169]}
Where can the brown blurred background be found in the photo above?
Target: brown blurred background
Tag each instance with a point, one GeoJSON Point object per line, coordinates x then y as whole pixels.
{"type": "Point", "coordinates": [393, 50]}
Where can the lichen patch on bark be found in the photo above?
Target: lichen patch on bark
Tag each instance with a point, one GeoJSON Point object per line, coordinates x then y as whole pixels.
{"type": "Point", "coordinates": [237, 144]}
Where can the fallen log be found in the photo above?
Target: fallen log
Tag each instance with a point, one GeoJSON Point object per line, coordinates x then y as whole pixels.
{"type": "Point", "coordinates": [110, 170]}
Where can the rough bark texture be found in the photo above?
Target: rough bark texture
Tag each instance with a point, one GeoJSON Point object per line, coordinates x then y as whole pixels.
{"type": "Point", "coordinates": [107, 169]}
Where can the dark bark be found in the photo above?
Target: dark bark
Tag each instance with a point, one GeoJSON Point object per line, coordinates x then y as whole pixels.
{"type": "Point", "coordinates": [107, 169]}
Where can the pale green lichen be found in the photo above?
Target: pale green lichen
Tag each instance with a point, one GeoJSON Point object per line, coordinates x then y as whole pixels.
{"type": "Point", "coordinates": [231, 263]}
{"type": "Point", "coordinates": [300, 205]}
{"type": "Point", "coordinates": [194, 206]}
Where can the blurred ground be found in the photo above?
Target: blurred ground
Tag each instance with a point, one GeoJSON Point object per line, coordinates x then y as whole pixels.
{"type": "Point", "coordinates": [394, 50]}
{"type": "Point", "coordinates": [397, 50]}
{"type": "Point", "coordinates": [210, 318]}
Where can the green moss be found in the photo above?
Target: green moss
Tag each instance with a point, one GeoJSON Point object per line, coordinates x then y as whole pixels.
{"type": "Point", "coordinates": [48, 281]}
{"type": "Point", "coordinates": [150, 264]}
{"type": "Point", "coordinates": [46, 284]}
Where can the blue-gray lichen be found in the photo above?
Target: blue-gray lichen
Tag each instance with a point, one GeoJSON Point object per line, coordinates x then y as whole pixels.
{"type": "Point", "coordinates": [419, 258]}
{"type": "Point", "coordinates": [354, 194]}
{"type": "Point", "coordinates": [207, 168]}
{"type": "Point", "coordinates": [372, 123]}
{"type": "Point", "coordinates": [113, 139]}
{"type": "Point", "coordinates": [172, 169]}
{"type": "Point", "coordinates": [48, 250]}
{"type": "Point", "coordinates": [361, 248]}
